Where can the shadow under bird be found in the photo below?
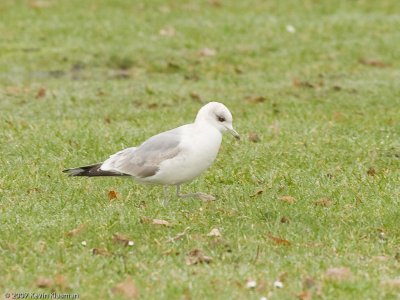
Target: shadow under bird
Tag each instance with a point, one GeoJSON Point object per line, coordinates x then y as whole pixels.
{"type": "Point", "coordinates": [172, 157]}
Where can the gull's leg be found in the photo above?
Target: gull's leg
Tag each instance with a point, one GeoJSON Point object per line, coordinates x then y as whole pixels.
{"type": "Point", "coordinates": [165, 200]}
{"type": "Point", "coordinates": [198, 195]}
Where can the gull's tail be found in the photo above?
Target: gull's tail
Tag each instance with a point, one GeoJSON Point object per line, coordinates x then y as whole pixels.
{"type": "Point", "coordinates": [91, 171]}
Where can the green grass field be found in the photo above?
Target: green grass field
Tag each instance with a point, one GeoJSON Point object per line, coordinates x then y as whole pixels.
{"type": "Point", "coordinates": [317, 81]}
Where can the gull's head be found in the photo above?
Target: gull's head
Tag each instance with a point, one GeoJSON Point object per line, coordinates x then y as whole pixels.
{"type": "Point", "coordinates": [218, 115]}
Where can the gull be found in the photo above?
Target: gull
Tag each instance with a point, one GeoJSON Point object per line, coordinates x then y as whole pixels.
{"type": "Point", "coordinates": [173, 157]}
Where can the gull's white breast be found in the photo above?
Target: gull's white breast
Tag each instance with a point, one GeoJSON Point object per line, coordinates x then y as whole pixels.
{"type": "Point", "coordinates": [199, 148]}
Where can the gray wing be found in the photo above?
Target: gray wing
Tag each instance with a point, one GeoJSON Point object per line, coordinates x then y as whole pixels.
{"type": "Point", "coordinates": [144, 161]}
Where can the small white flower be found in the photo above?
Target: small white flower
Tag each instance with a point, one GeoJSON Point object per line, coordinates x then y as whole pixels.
{"type": "Point", "coordinates": [251, 284]}
{"type": "Point", "coordinates": [290, 28]}
{"type": "Point", "coordinates": [263, 298]}
{"type": "Point", "coordinates": [83, 243]}
{"type": "Point", "coordinates": [278, 284]}
{"type": "Point", "coordinates": [131, 243]}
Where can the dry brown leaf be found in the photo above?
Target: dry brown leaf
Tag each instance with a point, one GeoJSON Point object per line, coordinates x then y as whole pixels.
{"type": "Point", "coordinates": [207, 52]}
{"type": "Point", "coordinates": [258, 192]}
{"type": "Point", "coordinates": [196, 256]}
{"type": "Point", "coordinates": [337, 116]}
{"type": "Point", "coordinates": [373, 63]}
{"type": "Point", "coordinates": [167, 31]}
{"type": "Point", "coordinates": [195, 96]}
{"type": "Point", "coordinates": [43, 282]}
{"type": "Point", "coordinates": [253, 137]}
{"type": "Point", "coordinates": [161, 222]}
{"type": "Point", "coordinates": [338, 273]}
{"type": "Point", "coordinates": [76, 231]}
{"type": "Point", "coordinates": [101, 252]}
{"type": "Point", "coordinates": [122, 239]}
{"type": "Point", "coordinates": [371, 171]}
{"type": "Point", "coordinates": [171, 252]}
{"type": "Point", "coordinates": [179, 235]}
{"type": "Point", "coordinates": [325, 202]}
{"type": "Point", "coordinates": [278, 240]}
{"type": "Point", "coordinates": [393, 283]}
{"type": "Point", "coordinates": [304, 295]}
{"type": "Point", "coordinates": [288, 199]}
{"type": "Point", "coordinates": [214, 233]}
{"type": "Point", "coordinates": [60, 282]}
{"type": "Point", "coordinates": [285, 220]}
{"type": "Point", "coordinates": [216, 3]}
{"type": "Point", "coordinates": [255, 99]}
{"type": "Point", "coordinates": [41, 93]}
{"type": "Point", "coordinates": [112, 195]}
{"type": "Point", "coordinates": [296, 82]}
{"type": "Point", "coordinates": [126, 289]}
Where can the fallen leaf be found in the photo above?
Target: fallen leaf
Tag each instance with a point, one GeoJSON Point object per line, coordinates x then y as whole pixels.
{"type": "Point", "coordinates": [325, 202]}
{"type": "Point", "coordinates": [101, 252]}
{"type": "Point", "coordinates": [60, 282]}
{"type": "Point", "coordinates": [122, 239]}
{"type": "Point", "coordinates": [43, 282]}
{"type": "Point", "coordinates": [304, 295]}
{"type": "Point", "coordinates": [112, 195]}
{"type": "Point", "coordinates": [215, 3]}
{"type": "Point", "coordinates": [171, 252]}
{"type": "Point", "coordinates": [288, 199]}
{"type": "Point", "coordinates": [41, 93]}
{"type": "Point", "coordinates": [196, 256]}
{"type": "Point", "coordinates": [167, 31]}
{"type": "Point", "coordinates": [179, 235]}
{"type": "Point", "coordinates": [255, 99]}
{"type": "Point", "coordinates": [371, 171]}
{"type": "Point", "coordinates": [393, 283]}
{"type": "Point", "coordinates": [195, 96]}
{"type": "Point", "coordinates": [76, 231]}
{"type": "Point", "coordinates": [278, 240]}
{"type": "Point", "coordinates": [205, 197]}
{"type": "Point", "coordinates": [207, 52]}
{"type": "Point", "coordinates": [296, 82]}
{"type": "Point", "coordinates": [373, 63]}
{"type": "Point", "coordinates": [338, 273]}
{"type": "Point", "coordinates": [161, 222]}
{"type": "Point", "coordinates": [253, 137]}
{"type": "Point", "coordinates": [127, 289]}
{"type": "Point", "coordinates": [337, 116]}
{"type": "Point", "coordinates": [258, 192]}
{"type": "Point", "coordinates": [214, 232]}
{"type": "Point", "coordinates": [285, 220]}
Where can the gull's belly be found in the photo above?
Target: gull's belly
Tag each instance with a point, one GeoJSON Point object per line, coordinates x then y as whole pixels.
{"type": "Point", "coordinates": [196, 157]}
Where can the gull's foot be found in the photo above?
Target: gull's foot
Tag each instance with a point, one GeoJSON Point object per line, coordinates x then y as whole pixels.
{"type": "Point", "coordinates": [205, 197]}
{"type": "Point", "coordinates": [165, 202]}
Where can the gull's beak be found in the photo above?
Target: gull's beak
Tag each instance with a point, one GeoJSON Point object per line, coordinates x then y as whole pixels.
{"type": "Point", "coordinates": [234, 133]}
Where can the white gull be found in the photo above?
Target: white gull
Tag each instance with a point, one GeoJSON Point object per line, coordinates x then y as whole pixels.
{"type": "Point", "coordinates": [172, 157]}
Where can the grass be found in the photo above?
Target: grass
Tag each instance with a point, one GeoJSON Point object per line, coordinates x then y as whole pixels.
{"type": "Point", "coordinates": [81, 80]}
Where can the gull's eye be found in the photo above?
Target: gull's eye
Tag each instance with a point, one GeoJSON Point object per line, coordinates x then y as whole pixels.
{"type": "Point", "coordinates": [221, 119]}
